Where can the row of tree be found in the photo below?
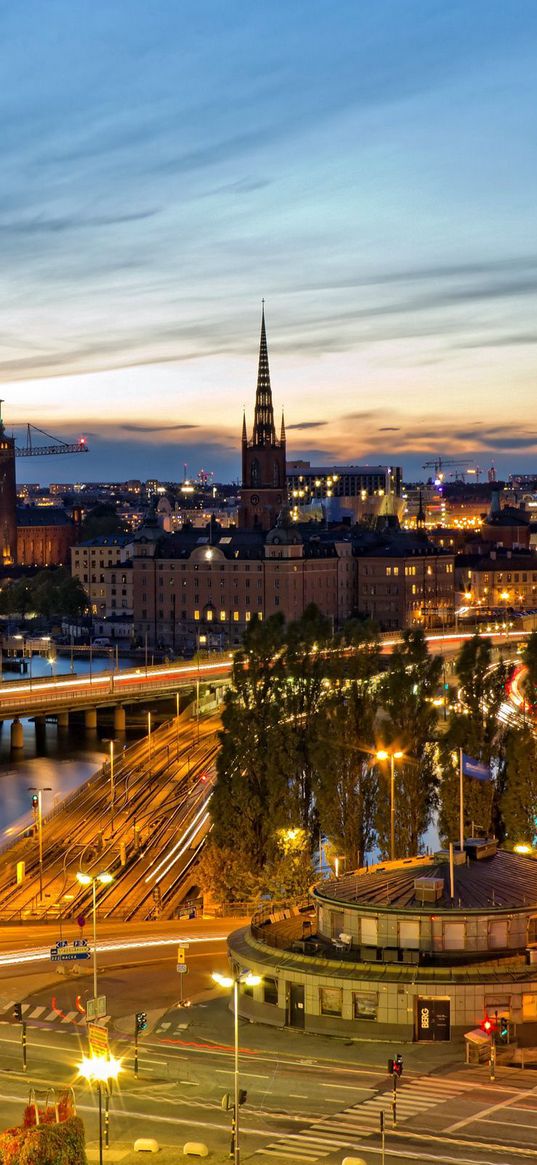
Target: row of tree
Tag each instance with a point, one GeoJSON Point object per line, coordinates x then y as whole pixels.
{"type": "Point", "coordinates": [52, 593]}
{"type": "Point", "coordinates": [302, 724]}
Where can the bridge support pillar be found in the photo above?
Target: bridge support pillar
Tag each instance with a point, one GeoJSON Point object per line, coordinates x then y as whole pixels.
{"type": "Point", "coordinates": [90, 719]}
{"type": "Point", "coordinates": [17, 735]}
{"type": "Point", "coordinates": [120, 718]}
{"type": "Point", "coordinates": [63, 719]}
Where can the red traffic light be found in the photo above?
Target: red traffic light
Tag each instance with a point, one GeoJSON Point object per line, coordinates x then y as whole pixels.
{"type": "Point", "coordinates": [487, 1025]}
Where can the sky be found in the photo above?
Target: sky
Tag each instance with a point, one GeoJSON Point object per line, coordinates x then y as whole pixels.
{"type": "Point", "coordinates": [369, 168]}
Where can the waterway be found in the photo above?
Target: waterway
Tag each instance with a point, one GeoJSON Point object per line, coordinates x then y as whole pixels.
{"type": "Point", "coordinates": [54, 759]}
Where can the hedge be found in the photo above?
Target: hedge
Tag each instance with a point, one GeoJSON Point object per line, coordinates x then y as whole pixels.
{"type": "Point", "coordinates": [45, 1144]}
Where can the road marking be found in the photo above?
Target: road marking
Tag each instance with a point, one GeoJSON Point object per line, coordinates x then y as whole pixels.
{"type": "Point", "coordinates": [299, 1095]}
{"type": "Point", "coordinates": [486, 1111]}
{"type": "Point", "coordinates": [347, 1087]}
{"type": "Point", "coordinates": [71, 1015]}
{"type": "Point", "coordinates": [244, 1072]}
{"type": "Point", "coordinates": [37, 1011]}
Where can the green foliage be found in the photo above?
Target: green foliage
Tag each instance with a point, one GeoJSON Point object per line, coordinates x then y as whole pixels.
{"type": "Point", "coordinates": [518, 801]}
{"type": "Point", "coordinates": [530, 660]}
{"type": "Point", "coordinates": [407, 692]}
{"type": "Point", "coordinates": [102, 520]}
{"type": "Point", "coordinates": [478, 732]}
{"type": "Point", "coordinates": [46, 1144]}
{"type": "Point", "coordinates": [51, 592]}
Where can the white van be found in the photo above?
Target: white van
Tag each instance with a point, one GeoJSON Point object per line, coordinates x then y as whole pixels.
{"type": "Point", "coordinates": [102, 642]}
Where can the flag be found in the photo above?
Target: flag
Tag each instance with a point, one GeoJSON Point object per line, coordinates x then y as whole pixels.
{"type": "Point", "coordinates": [475, 768]}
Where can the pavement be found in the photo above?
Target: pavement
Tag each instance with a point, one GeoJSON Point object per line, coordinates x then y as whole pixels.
{"type": "Point", "coordinates": [210, 1021]}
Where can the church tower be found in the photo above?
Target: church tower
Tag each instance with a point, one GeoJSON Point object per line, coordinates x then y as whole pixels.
{"type": "Point", "coordinates": [263, 491]}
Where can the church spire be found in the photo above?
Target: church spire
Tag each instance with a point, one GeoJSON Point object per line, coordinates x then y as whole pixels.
{"type": "Point", "coordinates": [282, 436]}
{"type": "Point", "coordinates": [264, 432]}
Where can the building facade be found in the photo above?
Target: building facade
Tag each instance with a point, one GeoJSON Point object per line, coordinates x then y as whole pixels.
{"type": "Point", "coordinates": [45, 535]}
{"type": "Point", "coordinates": [104, 567]}
{"type": "Point", "coordinates": [390, 951]}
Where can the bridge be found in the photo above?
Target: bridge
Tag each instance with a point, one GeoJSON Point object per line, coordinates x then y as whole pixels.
{"type": "Point", "coordinates": [61, 695]}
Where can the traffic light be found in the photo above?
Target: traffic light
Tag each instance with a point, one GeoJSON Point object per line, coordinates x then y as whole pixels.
{"type": "Point", "coordinates": [398, 1065]}
{"type": "Point", "coordinates": [17, 1012]}
{"type": "Point", "coordinates": [504, 1028]}
{"type": "Point", "coordinates": [487, 1025]}
{"type": "Point", "coordinates": [141, 1021]}
{"type": "Point", "coordinates": [35, 801]}
{"type": "Point", "coordinates": [243, 1096]}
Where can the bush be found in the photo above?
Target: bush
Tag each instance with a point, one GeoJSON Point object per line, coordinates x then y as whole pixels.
{"type": "Point", "coordinates": [47, 1144]}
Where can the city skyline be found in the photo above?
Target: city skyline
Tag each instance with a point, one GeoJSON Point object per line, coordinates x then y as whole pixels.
{"type": "Point", "coordinates": [371, 176]}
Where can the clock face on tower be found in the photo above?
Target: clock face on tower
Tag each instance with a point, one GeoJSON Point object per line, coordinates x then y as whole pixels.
{"type": "Point", "coordinates": [255, 499]}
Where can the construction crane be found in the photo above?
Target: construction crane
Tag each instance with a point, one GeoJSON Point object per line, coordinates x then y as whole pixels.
{"type": "Point", "coordinates": [439, 463]}
{"type": "Point", "coordinates": [57, 446]}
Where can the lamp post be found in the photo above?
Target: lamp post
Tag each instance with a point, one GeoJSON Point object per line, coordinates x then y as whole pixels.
{"type": "Point", "coordinates": [383, 754]}
{"type": "Point", "coordinates": [149, 736]}
{"type": "Point", "coordinates": [177, 714]}
{"type": "Point", "coordinates": [234, 981]}
{"type": "Point", "coordinates": [112, 786]}
{"type": "Point", "coordinates": [100, 1070]}
{"type": "Point", "coordinates": [91, 880]}
{"type": "Point", "coordinates": [38, 804]}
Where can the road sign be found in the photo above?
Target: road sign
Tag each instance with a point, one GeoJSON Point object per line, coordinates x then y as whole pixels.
{"type": "Point", "coordinates": [98, 1039]}
{"type": "Point", "coordinates": [81, 921]}
{"type": "Point", "coordinates": [96, 1008]}
{"type": "Point", "coordinates": [182, 968]}
{"type": "Point", "coordinates": [68, 952]}
{"type": "Point", "coordinates": [181, 954]}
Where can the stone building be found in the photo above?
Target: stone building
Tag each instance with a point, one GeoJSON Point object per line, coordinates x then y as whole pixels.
{"type": "Point", "coordinates": [398, 951]}
{"type": "Point", "coordinates": [104, 567]}
{"type": "Point", "coordinates": [45, 535]}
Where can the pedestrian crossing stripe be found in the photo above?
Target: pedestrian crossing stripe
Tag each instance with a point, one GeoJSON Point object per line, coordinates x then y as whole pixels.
{"type": "Point", "coordinates": [41, 1015]}
{"type": "Point", "coordinates": [330, 1133]}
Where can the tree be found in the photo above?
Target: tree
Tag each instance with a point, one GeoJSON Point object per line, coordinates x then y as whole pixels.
{"type": "Point", "coordinates": [530, 659]}
{"type": "Point", "coordinates": [407, 691]}
{"type": "Point", "coordinates": [347, 780]}
{"type": "Point", "coordinates": [476, 730]}
{"type": "Point", "coordinates": [103, 519]}
{"type": "Point", "coordinates": [518, 802]}
{"type": "Point", "coordinates": [249, 802]}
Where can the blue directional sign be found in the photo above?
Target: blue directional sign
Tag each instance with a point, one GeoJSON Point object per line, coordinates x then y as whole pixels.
{"type": "Point", "coordinates": [67, 952]}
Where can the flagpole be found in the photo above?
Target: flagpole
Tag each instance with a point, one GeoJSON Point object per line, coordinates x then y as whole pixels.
{"type": "Point", "coordinates": [461, 804]}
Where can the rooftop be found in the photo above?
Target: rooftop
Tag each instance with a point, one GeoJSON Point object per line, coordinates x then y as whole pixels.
{"type": "Point", "coordinates": [504, 881]}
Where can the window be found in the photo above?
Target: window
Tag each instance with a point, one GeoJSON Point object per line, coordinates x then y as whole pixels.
{"type": "Point", "coordinates": [369, 932]}
{"type": "Point", "coordinates": [330, 1000]}
{"type": "Point", "coordinates": [498, 933]}
{"type": "Point", "coordinates": [270, 991]}
{"type": "Point", "coordinates": [196, 615]}
{"type": "Point", "coordinates": [222, 616]}
{"type": "Point", "coordinates": [388, 570]}
{"type": "Point", "coordinates": [454, 936]}
{"type": "Point", "coordinates": [409, 935]}
{"type": "Point", "coordinates": [364, 1006]}
{"type": "Point", "coordinates": [248, 616]}
{"type": "Point", "coordinates": [235, 616]}
{"type": "Point", "coordinates": [209, 616]}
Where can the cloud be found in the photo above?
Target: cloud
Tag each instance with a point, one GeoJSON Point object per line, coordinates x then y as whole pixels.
{"type": "Point", "coordinates": [390, 429]}
{"type": "Point", "coordinates": [307, 425]}
{"type": "Point", "coordinates": [54, 226]}
{"type": "Point", "coordinates": [132, 428]}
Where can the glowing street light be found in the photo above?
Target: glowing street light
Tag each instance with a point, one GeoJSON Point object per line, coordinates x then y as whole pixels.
{"type": "Point", "coordinates": [100, 1070]}
{"type": "Point", "coordinates": [249, 980]}
{"type": "Point", "coordinates": [91, 880]}
{"type": "Point", "coordinates": [383, 754]}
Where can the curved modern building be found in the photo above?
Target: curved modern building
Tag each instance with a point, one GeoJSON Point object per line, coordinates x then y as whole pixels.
{"type": "Point", "coordinates": [411, 948]}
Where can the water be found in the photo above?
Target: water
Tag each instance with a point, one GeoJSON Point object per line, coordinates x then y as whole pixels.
{"type": "Point", "coordinates": [51, 758]}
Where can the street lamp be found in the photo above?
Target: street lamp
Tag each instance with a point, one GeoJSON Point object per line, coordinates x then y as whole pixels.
{"type": "Point", "coordinates": [112, 787]}
{"type": "Point", "coordinates": [100, 1070]}
{"type": "Point", "coordinates": [149, 736]}
{"type": "Point", "coordinates": [383, 754]}
{"type": "Point", "coordinates": [91, 880]}
{"type": "Point", "coordinates": [38, 804]}
{"type": "Point", "coordinates": [249, 980]}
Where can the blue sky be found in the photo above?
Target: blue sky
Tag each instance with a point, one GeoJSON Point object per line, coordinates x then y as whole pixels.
{"type": "Point", "coordinates": [369, 168]}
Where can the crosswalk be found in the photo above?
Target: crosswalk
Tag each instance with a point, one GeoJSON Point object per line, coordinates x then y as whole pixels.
{"type": "Point", "coordinates": [43, 1014]}
{"type": "Point", "coordinates": [343, 1130]}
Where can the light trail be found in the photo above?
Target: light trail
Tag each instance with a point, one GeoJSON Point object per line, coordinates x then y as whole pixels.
{"type": "Point", "coordinates": [38, 954]}
{"type": "Point", "coordinates": [187, 832]}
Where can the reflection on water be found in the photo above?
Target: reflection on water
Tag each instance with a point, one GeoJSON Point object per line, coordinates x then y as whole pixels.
{"type": "Point", "coordinates": [59, 759]}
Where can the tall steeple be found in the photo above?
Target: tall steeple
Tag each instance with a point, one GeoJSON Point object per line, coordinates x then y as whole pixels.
{"type": "Point", "coordinates": [264, 432]}
{"type": "Point", "coordinates": [263, 490]}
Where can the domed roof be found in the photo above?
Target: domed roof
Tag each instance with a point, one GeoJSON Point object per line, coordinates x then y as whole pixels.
{"type": "Point", "coordinates": [284, 533]}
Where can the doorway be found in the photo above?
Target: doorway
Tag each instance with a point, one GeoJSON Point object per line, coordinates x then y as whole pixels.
{"type": "Point", "coordinates": [297, 1015]}
{"type": "Point", "coordinates": [433, 1019]}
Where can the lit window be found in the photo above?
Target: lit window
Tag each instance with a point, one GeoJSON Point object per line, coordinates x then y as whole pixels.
{"type": "Point", "coordinates": [196, 615]}
{"type": "Point", "coordinates": [235, 616]}
{"type": "Point", "coordinates": [248, 615]}
{"type": "Point", "coordinates": [209, 616]}
{"type": "Point", "coordinates": [222, 616]}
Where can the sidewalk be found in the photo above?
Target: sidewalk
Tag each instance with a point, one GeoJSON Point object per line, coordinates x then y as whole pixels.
{"type": "Point", "coordinates": [124, 1154]}
{"type": "Point", "coordinates": [210, 1021]}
